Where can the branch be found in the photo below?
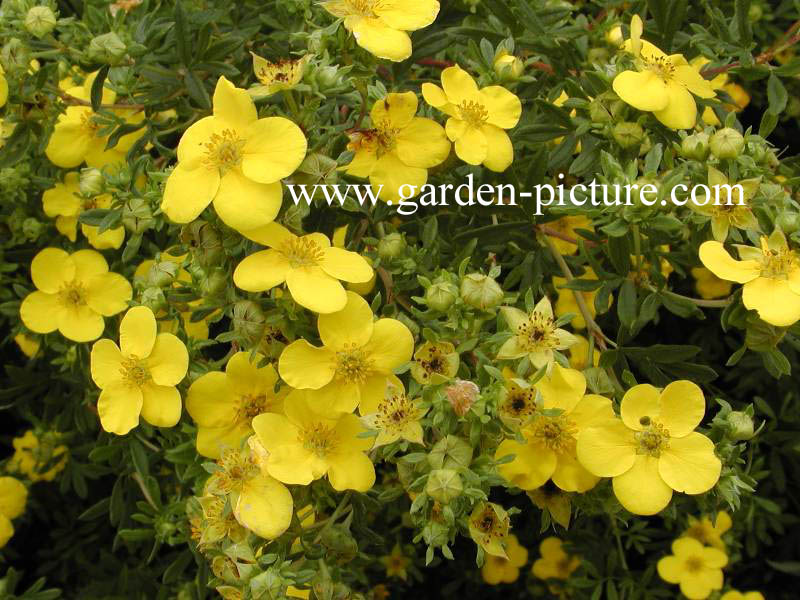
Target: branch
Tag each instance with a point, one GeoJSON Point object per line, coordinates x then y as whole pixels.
{"type": "Point", "coordinates": [792, 37]}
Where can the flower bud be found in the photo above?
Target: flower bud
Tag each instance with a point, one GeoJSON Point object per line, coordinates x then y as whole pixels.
{"type": "Point", "coordinates": [440, 296]}
{"type": "Point", "coordinates": [481, 291]}
{"type": "Point", "coordinates": [695, 146]}
{"type": "Point", "coordinates": [248, 320]}
{"type": "Point", "coordinates": [788, 222]}
{"type": "Point", "coordinates": [462, 395]}
{"type": "Point", "coordinates": [213, 283]}
{"type": "Point", "coordinates": [391, 246]}
{"type": "Point", "coordinates": [451, 452]}
{"type": "Point", "coordinates": [107, 48]}
{"type": "Point", "coordinates": [137, 216]}
{"type": "Point", "coordinates": [628, 134]}
{"type": "Point", "coordinates": [206, 243]}
{"type": "Point", "coordinates": [161, 274]}
{"type": "Point", "coordinates": [91, 183]}
{"type": "Point", "coordinates": [614, 36]}
{"type": "Point", "coordinates": [444, 485]}
{"type": "Point", "coordinates": [508, 67]}
{"type": "Point", "coordinates": [154, 299]}
{"type": "Point", "coordinates": [726, 143]}
{"type": "Point", "coordinates": [740, 426]}
{"type": "Point", "coordinates": [32, 228]}
{"type": "Point", "coordinates": [40, 21]}
{"type": "Point", "coordinates": [15, 55]}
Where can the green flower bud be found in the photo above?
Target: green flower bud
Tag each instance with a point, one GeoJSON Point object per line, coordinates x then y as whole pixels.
{"type": "Point", "coordinates": [162, 274]}
{"type": "Point", "coordinates": [450, 452]}
{"type": "Point", "coordinates": [695, 146]}
{"type": "Point", "coordinates": [391, 246]}
{"type": "Point", "coordinates": [740, 425]}
{"type": "Point", "coordinates": [107, 48]}
{"type": "Point", "coordinates": [435, 534]}
{"type": "Point", "coordinates": [440, 296]}
{"type": "Point", "coordinates": [248, 320]}
{"type": "Point", "coordinates": [32, 228]}
{"type": "Point", "coordinates": [154, 299]}
{"type": "Point", "coordinates": [316, 169]}
{"type": "Point", "coordinates": [600, 111]}
{"type": "Point", "coordinates": [205, 241]}
{"type": "Point", "coordinates": [755, 12]}
{"type": "Point", "coordinates": [213, 283]}
{"type": "Point", "coordinates": [726, 143]}
{"type": "Point", "coordinates": [481, 291]}
{"type": "Point", "coordinates": [40, 21]}
{"type": "Point", "coordinates": [91, 183]}
{"type": "Point", "coordinates": [788, 222]}
{"type": "Point", "coordinates": [15, 55]}
{"type": "Point", "coordinates": [444, 485]}
{"type": "Point", "coordinates": [137, 216]}
{"type": "Point", "coordinates": [508, 67]}
{"type": "Point", "coordinates": [628, 134]}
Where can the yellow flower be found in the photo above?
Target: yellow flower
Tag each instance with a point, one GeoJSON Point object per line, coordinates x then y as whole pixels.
{"type": "Point", "coordinates": [278, 76]}
{"type": "Point", "coordinates": [64, 202]}
{"type": "Point", "coordinates": [720, 82]}
{"type": "Point", "coordinates": [549, 447]}
{"type": "Point", "coordinates": [39, 458]}
{"type": "Point", "coordinates": [396, 563]}
{"type": "Point", "coordinates": [309, 265]}
{"type": "Point", "coordinates": [139, 376]}
{"type": "Point", "coordinates": [566, 302]}
{"type": "Point", "coordinates": [399, 148]}
{"type": "Point", "coordinates": [356, 361]}
{"type": "Point", "coordinates": [488, 527]}
{"type": "Point", "coordinates": [73, 294]}
{"type": "Point", "coordinates": [579, 354]}
{"type": "Point", "coordinates": [725, 216]}
{"type": "Point", "coordinates": [554, 501]}
{"type": "Point", "coordinates": [27, 344]}
{"type": "Point", "coordinates": [13, 496]}
{"type": "Point", "coordinates": [223, 404]}
{"type": "Point", "coordinates": [535, 335]}
{"type": "Point", "coordinates": [259, 502]}
{"type": "Point", "coordinates": [516, 402]}
{"type": "Point", "coordinates": [736, 595]}
{"type": "Point", "coordinates": [696, 568]}
{"type": "Point", "coordinates": [653, 449]}
{"type": "Point", "coordinates": [555, 563]}
{"type": "Point", "coordinates": [661, 84]}
{"type": "Point", "coordinates": [478, 118]}
{"type": "Point", "coordinates": [77, 134]}
{"type": "Point", "coordinates": [395, 417]}
{"type": "Point", "coordinates": [708, 533]}
{"type": "Point", "coordinates": [380, 26]}
{"type": "Point", "coordinates": [770, 274]}
{"type": "Point", "coordinates": [497, 569]}
{"type": "Point", "coordinates": [708, 285]}
{"type": "Point", "coordinates": [3, 88]}
{"type": "Point", "coordinates": [304, 445]}
{"type": "Point", "coordinates": [234, 159]}
{"type": "Point", "coordinates": [362, 288]}
{"type": "Point", "coordinates": [434, 363]}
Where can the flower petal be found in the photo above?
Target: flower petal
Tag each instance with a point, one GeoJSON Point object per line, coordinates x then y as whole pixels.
{"type": "Point", "coordinates": [351, 471]}
{"type": "Point", "coordinates": [774, 300]}
{"type": "Point", "coordinates": [264, 507]}
{"type": "Point", "coordinates": [80, 323]}
{"type": "Point", "coordinates": [137, 332]}
{"type": "Point", "coordinates": [395, 179]}
{"type": "Point", "coordinates": [275, 148]}
{"type": "Point", "coordinates": [640, 489]}
{"type": "Point", "coordinates": [106, 363]}
{"type": "Point", "coordinates": [390, 346]}
{"type": "Point", "coordinates": [161, 404]}
{"type": "Point", "coordinates": [211, 401]}
{"type": "Point", "coordinates": [459, 86]}
{"type": "Point", "coordinates": [571, 476]}
{"type": "Point", "coordinates": [689, 464]}
{"type": "Point", "coordinates": [261, 271]}
{"type": "Point", "coordinates": [531, 467]}
{"type": "Point", "coordinates": [682, 407]}
{"type": "Point", "coordinates": [499, 151]}
{"type": "Point", "coordinates": [423, 144]}
{"type": "Point", "coordinates": [504, 107]}
{"type": "Point", "coordinates": [384, 42]}
{"type": "Point", "coordinates": [188, 192]}
{"type": "Point", "coordinates": [352, 326]}
{"type": "Point", "coordinates": [51, 268]}
{"type": "Point", "coordinates": [395, 110]}
{"type": "Point", "coordinates": [640, 402]}
{"type": "Point", "coordinates": [304, 366]}
{"type": "Point", "coordinates": [681, 110]}
{"type": "Point", "coordinates": [644, 91]}
{"type": "Point", "coordinates": [407, 15]}
{"type": "Point", "coordinates": [244, 204]}
{"type": "Point", "coordinates": [606, 451]}
{"type": "Point", "coordinates": [345, 265]}
{"type": "Point", "coordinates": [108, 293]}
{"type": "Point", "coordinates": [39, 312]}
{"type": "Point", "coordinates": [472, 146]}
{"type": "Point", "coordinates": [168, 360]}
{"type": "Point", "coordinates": [233, 105]}
{"type": "Point", "coordinates": [314, 289]}
{"type": "Point", "coordinates": [119, 406]}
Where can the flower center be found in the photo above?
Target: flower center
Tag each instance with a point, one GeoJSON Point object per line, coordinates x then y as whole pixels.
{"type": "Point", "coordinates": [776, 264]}
{"type": "Point", "coordinates": [520, 402]}
{"type": "Point", "coordinates": [302, 252]}
{"type": "Point", "coordinates": [395, 412]}
{"type": "Point", "coordinates": [537, 332]}
{"type": "Point", "coordinates": [251, 406]}
{"type": "Point", "coordinates": [89, 123]}
{"type": "Point", "coordinates": [563, 566]}
{"type": "Point", "coordinates": [474, 113]}
{"type": "Point", "coordinates": [698, 532]}
{"type": "Point", "coordinates": [319, 439]}
{"type": "Point", "coordinates": [224, 150]}
{"type": "Point", "coordinates": [72, 294]}
{"type": "Point", "coordinates": [653, 440]}
{"type": "Point", "coordinates": [283, 71]}
{"type": "Point", "coordinates": [361, 8]}
{"type": "Point", "coordinates": [661, 66]}
{"type": "Point", "coordinates": [386, 137]}
{"type": "Point", "coordinates": [556, 433]}
{"type": "Point", "coordinates": [694, 564]}
{"type": "Point", "coordinates": [134, 371]}
{"type": "Point", "coordinates": [236, 468]}
{"type": "Point", "coordinates": [352, 364]}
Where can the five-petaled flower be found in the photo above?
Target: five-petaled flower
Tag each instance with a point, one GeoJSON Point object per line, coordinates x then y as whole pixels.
{"type": "Point", "coordinates": [696, 568]}
{"type": "Point", "coordinates": [555, 562]}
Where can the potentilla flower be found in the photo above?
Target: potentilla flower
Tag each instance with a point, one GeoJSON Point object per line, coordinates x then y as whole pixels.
{"type": "Point", "coordinates": [395, 417]}
{"type": "Point", "coordinates": [309, 265]}
{"type": "Point", "coordinates": [568, 226]}
{"type": "Point", "coordinates": [720, 82]}
{"type": "Point", "coordinates": [661, 84]}
{"type": "Point", "coordinates": [708, 533]}
{"type": "Point", "coordinates": [76, 137]}
{"type": "Point", "coordinates": [38, 457]}
{"type": "Point", "coordinates": [219, 523]}
{"type": "Point", "coordinates": [73, 294]}
{"type": "Point", "coordinates": [27, 344]}
{"type": "Point", "coordinates": [708, 285]}
{"type": "Point", "coordinates": [770, 274]}
{"type": "Point", "coordinates": [224, 404]}
{"type": "Point", "coordinates": [579, 354]}
{"type": "Point", "coordinates": [380, 26]}
{"type": "Point", "coordinates": [399, 148]}
{"type": "Point", "coordinates": [138, 377]}
{"type": "Point", "coordinates": [356, 360]}
{"type": "Point", "coordinates": [3, 88]}
{"type": "Point", "coordinates": [478, 118]}
{"type": "Point", "coordinates": [64, 202]}
{"type": "Point", "coordinates": [724, 216]}
{"type": "Point", "coordinates": [516, 402]}
{"type": "Point", "coordinates": [396, 563]}
{"type": "Point", "coordinates": [696, 568]}
{"type": "Point", "coordinates": [497, 569]}
{"type": "Point", "coordinates": [737, 595]}
{"type": "Point", "coordinates": [653, 449]}
{"type": "Point", "coordinates": [275, 77]}
{"type": "Point", "coordinates": [259, 502]}
{"type": "Point", "coordinates": [555, 563]}
{"type": "Point", "coordinates": [566, 302]}
{"type": "Point", "coordinates": [549, 447]}
{"type": "Point", "coordinates": [434, 363]}
{"type": "Point", "coordinates": [304, 445]}
{"type": "Point", "coordinates": [234, 159]}
{"type": "Point", "coordinates": [488, 527]}
{"type": "Point", "coordinates": [535, 335]}
{"type": "Point", "coordinates": [13, 497]}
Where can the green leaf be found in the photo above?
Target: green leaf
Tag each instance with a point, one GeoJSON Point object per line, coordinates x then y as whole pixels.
{"type": "Point", "coordinates": [768, 122]}
{"type": "Point", "coordinates": [668, 15]}
{"type": "Point", "coordinates": [96, 94]}
{"type": "Point", "coordinates": [626, 305]}
{"type": "Point", "coordinates": [776, 95]}
{"type": "Point", "coordinates": [743, 27]}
